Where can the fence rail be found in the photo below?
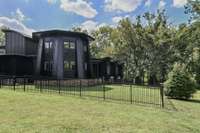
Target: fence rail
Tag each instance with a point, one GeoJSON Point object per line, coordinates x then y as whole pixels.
{"type": "Point", "coordinates": [96, 88]}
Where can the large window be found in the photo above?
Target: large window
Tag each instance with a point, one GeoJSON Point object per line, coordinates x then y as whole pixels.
{"type": "Point", "coordinates": [69, 44]}
{"type": "Point", "coordinates": [69, 65]}
{"type": "Point", "coordinates": [48, 65]}
{"type": "Point", "coordinates": [48, 57]}
{"type": "Point", "coordinates": [69, 58]}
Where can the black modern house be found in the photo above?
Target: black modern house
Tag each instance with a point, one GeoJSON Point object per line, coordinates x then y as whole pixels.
{"type": "Point", "coordinates": [56, 54]}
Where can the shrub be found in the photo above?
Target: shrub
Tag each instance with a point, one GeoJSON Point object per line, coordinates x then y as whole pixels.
{"type": "Point", "coordinates": [180, 85]}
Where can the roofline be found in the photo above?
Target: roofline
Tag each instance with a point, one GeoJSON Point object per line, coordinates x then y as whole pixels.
{"type": "Point", "coordinates": [54, 31]}
{"type": "Point", "coordinates": [10, 30]}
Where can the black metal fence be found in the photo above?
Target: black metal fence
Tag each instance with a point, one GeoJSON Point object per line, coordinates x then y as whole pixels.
{"type": "Point", "coordinates": [96, 88]}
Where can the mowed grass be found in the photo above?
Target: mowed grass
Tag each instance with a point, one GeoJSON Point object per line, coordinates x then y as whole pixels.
{"type": "Point", "coordinates": [43, 113]}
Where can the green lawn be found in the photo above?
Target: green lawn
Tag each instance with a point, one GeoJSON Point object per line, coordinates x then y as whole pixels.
{"type": "Point", "coordinates": [43, 113]}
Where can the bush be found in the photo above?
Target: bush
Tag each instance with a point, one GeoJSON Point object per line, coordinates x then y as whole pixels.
{"type": "Point", "coordinates": [180, 85]}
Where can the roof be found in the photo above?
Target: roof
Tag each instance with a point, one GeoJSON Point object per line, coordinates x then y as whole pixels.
{"type": "Point", "coordinates": [59, 33]}
{"type": "Point", "coordinates": [9, 30]}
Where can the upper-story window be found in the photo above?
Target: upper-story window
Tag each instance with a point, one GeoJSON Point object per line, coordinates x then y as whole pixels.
{"type": "Point", "coordinates": [69, 44]}
{"type": "Point", "coordinates": [85, 48]}
{"type": "Point", "coordinates": [86, 66]}
{"type": "Point", "coordinates": [48, 45]}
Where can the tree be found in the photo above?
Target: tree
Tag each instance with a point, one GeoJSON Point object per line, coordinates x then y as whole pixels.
{"type": "Point", "coordinates": [159, 40]}
{"type": "Point", "coordinates": [2, 38]}
{"type": "Point", "coordinates": [180, 85]}
{"type": "Point", "coordinates": [193, 8]}
{"type": "Point", "coordinates": [102, 46]}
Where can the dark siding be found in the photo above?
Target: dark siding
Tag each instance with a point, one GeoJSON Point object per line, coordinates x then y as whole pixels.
{"type": "Point", "coordinates": [31, 46]}
{"type": "Point", "coordinates": [16, 65]}
{"type": "Point", "coordinates": [15, 43]}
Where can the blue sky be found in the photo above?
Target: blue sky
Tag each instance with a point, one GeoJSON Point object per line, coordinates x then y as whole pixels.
{"type": "Point", "coordinates": [33, 15]}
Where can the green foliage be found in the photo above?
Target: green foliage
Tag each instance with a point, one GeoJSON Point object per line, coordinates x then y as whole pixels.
{"type": "Point", "coordinates": [193, 8]}
{"type": "Point", "coordinates": [180, 85]}
{"type": "Point", "coordinates": [2, 38]}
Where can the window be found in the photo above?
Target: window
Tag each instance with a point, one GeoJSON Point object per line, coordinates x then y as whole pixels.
{"type": "Point", "coordinates": [48, 65]}
{"type": "Point", "coordinates": [108, 68]}
{"type": "Point", "coordinates": [72, 63]}
{"type": "Point", "coordinates": [66, 65]}
{"type": "Point", "coordinates": [69, 44]}
{"type": "Point", "coordinates": [66, 45]}
{"type": "Point", "coordinates": [72, 45]}
{"type": "Point", "coordinates": [48, 57]}
{"type": "Point", "coordinates": [2, 51]}
{"type": "Point", "coordinates": [85, 66]}
{"type": "Point", "coordinates": [48, 45]}
{"type": "Point", "coordinates": [85, 48]}
{"type": "Point", "coordinates": [69, 65]}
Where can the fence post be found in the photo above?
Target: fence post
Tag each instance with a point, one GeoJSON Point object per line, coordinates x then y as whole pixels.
{"type": "Point", "coordinates": [14, 82]}
{"type": "Point", "coordinates": [131, 93]}
{"type": "Point", "coordinates": [59, 85]}
{"type": "Point", "coordinates": [24, 84]}
{"type": "Point", "coordinates": [162, 95]}
{"type": "Point", "coordinates": [0, 82]}
{"type": "Point", "coordinates": [40, 85]}
{"type": "Point", "coordinates": [80, 88]}
{"type": "Point", "coordinates": [104, 89]}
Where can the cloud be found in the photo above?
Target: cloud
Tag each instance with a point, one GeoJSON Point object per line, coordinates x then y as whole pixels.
{"type": "Point", "coordinates": [15, 25]}
{"type": "Point", "coordinates": [179, 3]}
{"type": "Point", "coordinates": [122, 5]}
{"type": "Point", "coordinates": [91, 25]}
{"type": "Point", "coordinates": [79, 7]}
{"type": "Point", "coordinates": [147, 3]}
{"type": "Point", "coordinates": [117, 19]}
{"type": "Point", "coordinates": [19, 15]}
{"type": "Point", "coordinates": [161, 4]}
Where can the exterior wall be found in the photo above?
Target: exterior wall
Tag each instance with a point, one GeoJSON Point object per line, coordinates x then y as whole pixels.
{"type": "Point", "coordinates": [58, 70]}
{"type": "Point", "coordinates": [80, 59]}
{"type": "Point", "coordinates": [2, 50]}
{"type": "Point", "coordinates": [31, 47]}
{"type": "Point", "coordinates": [58, 57]}
{"type": "Point", "coordinates": [16, 65]}
{"type": "Point", "coordinates": [39, 58]}
{"type": "Point", "coordinates": [15, 43]}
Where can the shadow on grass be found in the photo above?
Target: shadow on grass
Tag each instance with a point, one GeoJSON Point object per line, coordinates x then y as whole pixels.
{"type": "Point", "coordinates": [192, 100]}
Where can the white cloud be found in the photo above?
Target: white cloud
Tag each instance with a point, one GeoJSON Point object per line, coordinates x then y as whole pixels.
{"type": "Point", "coordinates": [89, 25]}
{"type": "Point", "coordinates": [147, 3]}
{"type": "Point", "coordinates": [179, 3]}
{"type": "Point", "coordinates": [15, 25]}
{"type": "Point", "coordinates": [161, 4]}
{"type": "Point", "coordinates": [19, 15]}
{"type": "Point", "coordinates": [122, 5]}
{"type": "Point", "coordinates": [117, 19]}
{"type": "Point", "coordinates": [80, 7]}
